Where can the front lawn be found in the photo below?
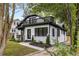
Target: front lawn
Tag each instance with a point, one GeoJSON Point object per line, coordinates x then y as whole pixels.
{"type": "Point", "coordinates": [15, 49]}
{"type": "Point", "coordinates": [78, 48]}
{"type": "Point", "coordinates": [78, 43]}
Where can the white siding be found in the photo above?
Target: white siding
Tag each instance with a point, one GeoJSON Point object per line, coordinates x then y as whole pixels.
{"type": "Point", "coordinates": [53, 39]}
{"type": "Point", "coordinates": [37, 38]}
{"type": "Point", "coordinates": [61, 38]}
{"type": "Point", "coordinates": [14, 31]}
{"type": "Point", "coordinates": [43, 38]}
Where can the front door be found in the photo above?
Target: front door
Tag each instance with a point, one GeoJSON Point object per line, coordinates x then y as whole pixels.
{"type": "Point", "coordinates": [28, 33]}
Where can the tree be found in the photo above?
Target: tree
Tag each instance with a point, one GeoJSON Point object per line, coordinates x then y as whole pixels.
{"type": "Point", "coordinates": [5, 24]}
{"type": "Point", "coordinates": [28, 8]}
{"type": "Point", "coordinates": [65, 12]}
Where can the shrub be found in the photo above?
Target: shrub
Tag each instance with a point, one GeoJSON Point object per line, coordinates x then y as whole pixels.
{"type": "Point", "coordinates": [41, 42]}
{"type": "Point", "coordinates": [63, 50]}
{"type": "Point", "coordinates": [56, 42]}
{"type": "Point", "coordinates": [12, 38]}
{"type": "Point", "coordinates": [33, 41]}
{"type": "Point", "coordinates": [48, 40]}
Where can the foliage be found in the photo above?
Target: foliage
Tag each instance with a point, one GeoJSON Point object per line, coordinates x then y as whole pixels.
{"type": "Point", "coordinates": [63, 50]}
{"type": "Point", "coordinates": [13, 39]}
{"type": "Point", "coordinates": [48, 40]}
{"type": "Point", "coordinates": [41, 42]}
{"type": "Point", "coordinates": [27, 8]}
{"type": "Point", "coordinates": [66, 13]}
{"type": "Point", "coordinates": [6, 20]}
{"type": "Point", "coordinates": [33, 41]}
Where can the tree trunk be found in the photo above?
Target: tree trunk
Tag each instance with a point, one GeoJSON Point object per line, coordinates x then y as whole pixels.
{"type": "Point", "coordinates": [5, 25]}
{"type": "Point", "coordinates": [69, 23]}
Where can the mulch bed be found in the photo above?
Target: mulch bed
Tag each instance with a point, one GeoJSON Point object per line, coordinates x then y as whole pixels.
{"type": "Point", "coordinates": [42, 45]}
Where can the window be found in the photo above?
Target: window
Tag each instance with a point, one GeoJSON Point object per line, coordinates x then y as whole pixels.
{"type": "Point", "coordinates": [41, 31]}
{"type": "Point", "coordinates": [58, 32]}
{"type": "Point", "coordinates": [33, 20]}
{"type": "Point", "coordinates": [30, 21]}
{"type": "Point", "coordinates": [18, 36]}
{"type": "Point", "coordinates": [13, 30]}
{"type": "Point", "coordinates": [14, 23]}
{"type": "Point", "coordinates": [53, 32]}
{"type": "Point", "coordinates": [63, 32]}
{"type": "Point", "coordinates": [29, 33]}
{"type": "Point", "coordinates": [17, 23]}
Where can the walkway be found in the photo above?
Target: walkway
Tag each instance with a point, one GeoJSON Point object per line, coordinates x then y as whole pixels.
{"type": "Point", "coordinates": [41, 52]}
{"type": "Point", "coordinates": [31, 46]}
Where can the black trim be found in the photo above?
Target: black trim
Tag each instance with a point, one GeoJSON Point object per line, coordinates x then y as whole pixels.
{"type": "Point", "coordinates": [22, 26]}
{"type": "Point", "coordinates": [26, 18]}
{"type": "Point", "coordinates": [43, 23]}
{"type": "Point", "coordinates": [49, 30]}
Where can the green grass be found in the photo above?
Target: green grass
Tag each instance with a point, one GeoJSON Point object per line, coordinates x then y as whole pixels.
{"type": "Point", "coordinates": [15, 49]}
{"type": "Point", "coordinates": [77, 48]}
{"type": "Point", "coordinates": [78, 43]}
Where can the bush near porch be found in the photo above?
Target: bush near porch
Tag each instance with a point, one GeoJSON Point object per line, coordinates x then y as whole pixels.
{"type": "Point", "coordinates": [15, 49]}
{"type": "Point", "coordinates": [40, 43]}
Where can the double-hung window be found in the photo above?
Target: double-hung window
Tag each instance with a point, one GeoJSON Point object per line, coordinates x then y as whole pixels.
{"type": "Point", "coordinates": [41, 31]}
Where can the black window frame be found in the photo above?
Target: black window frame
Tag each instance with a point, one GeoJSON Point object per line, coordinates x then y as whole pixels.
{"type": "Point", "coordinates": [41, 31]}
{"type": "Point", "coordinates": [58, 32]}
{"type": "Point", "coordinates": [29, 33]}
{"type": "Point", "coordinates": [53, 32]}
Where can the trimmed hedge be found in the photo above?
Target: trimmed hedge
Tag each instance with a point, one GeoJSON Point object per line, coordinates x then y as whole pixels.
{"type": "Point", "coordinates": [33, 41]}
{"type": "Point", "coordinates": [48, 40]}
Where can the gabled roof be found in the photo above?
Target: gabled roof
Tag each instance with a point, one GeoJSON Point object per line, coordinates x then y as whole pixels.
{"type": "Point", "coordinates": [21, 26]}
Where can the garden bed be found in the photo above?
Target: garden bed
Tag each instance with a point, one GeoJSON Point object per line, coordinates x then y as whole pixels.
{"type": "Point", "coordinates": [39, 44]}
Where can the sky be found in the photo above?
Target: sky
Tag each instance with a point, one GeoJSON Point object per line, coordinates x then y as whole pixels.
{"type": "Point", "coordinates": [18, 14]}
{"type": "Point", "coordinates": [20, 10]}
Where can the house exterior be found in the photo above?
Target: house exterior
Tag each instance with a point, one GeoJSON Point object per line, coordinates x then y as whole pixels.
{"type": "Point", "coordinates": [16, 34]}
{"type": "Point", "coordinates": [40, 27]}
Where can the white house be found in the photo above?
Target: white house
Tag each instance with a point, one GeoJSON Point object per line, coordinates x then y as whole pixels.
{"type": "Point", "coordinates": [16, 34]}
{"type": "Point", "coordinates": [39, 27]}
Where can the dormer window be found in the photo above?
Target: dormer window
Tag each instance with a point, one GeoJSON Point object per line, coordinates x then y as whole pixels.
{"type": "Point", "coordinates": [29, 21]}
